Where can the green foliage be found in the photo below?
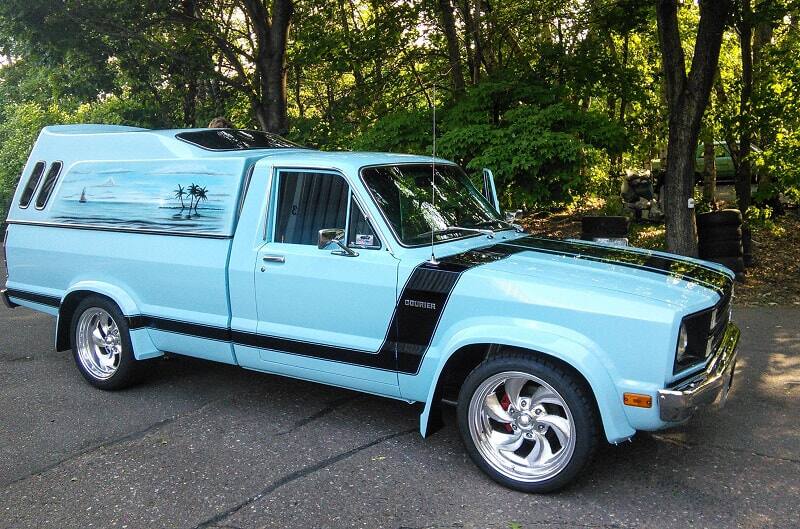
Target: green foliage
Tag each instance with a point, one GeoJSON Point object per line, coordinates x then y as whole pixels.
{"type": "Point", "coordinates": [541, 149]}
{"type": "Point", "coordinates": [21, 123]}
{"type": "Point", "coordinates": [18, 131]}
{"type": "Point", "coordinates": [762, 218]}
{"type": "Point", "coordinates": [564, 95]}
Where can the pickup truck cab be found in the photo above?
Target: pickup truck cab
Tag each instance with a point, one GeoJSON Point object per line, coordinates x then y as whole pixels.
{"type": "Point", "coordinates": [383, 273]}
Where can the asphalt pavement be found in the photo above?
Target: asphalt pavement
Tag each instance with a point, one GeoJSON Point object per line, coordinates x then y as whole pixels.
{"type": "Point", "coordinates": [208, 445]}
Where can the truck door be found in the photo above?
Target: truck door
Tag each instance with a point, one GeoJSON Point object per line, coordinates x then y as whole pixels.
{"type": "Point", "coordinates": [324, 313]}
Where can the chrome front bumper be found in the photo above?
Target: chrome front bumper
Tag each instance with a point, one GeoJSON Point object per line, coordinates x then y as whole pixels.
{"type": "Point", "coordinates": [708, 387]}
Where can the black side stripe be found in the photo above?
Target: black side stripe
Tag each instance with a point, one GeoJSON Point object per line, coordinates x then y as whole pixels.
{"type": "Point", "coordinates": [43, 299]}
{"type": "Point", "coordinates": [210, 332]}
{"type": "Point", "coordinates": [408, 337]}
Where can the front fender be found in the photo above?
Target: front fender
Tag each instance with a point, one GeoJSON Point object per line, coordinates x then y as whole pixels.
{"type": "Point", "coordinates": [143, 346]}
{"type": "Point", "coordinates": [559, 342]}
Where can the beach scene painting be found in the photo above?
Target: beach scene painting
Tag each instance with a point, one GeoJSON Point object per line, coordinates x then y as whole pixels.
{"type": "Point", "coordinates": [197, 200]}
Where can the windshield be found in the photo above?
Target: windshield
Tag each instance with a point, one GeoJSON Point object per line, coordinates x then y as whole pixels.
{"type": "Point", "coordinates": [404, 195]}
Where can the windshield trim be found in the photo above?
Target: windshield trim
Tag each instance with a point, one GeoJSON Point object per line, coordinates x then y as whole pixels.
{"type": "Point", "coordinates": [386, 220]}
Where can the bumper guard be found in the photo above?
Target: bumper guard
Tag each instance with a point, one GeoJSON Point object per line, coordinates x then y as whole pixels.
{"type": "Point", "coordinates": [708, 387]}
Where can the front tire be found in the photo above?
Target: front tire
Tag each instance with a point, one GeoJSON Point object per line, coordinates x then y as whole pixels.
{"type": "Point", "coordinates": [101, 345]}
{"type": "Point", "coordinates": [527, 423]}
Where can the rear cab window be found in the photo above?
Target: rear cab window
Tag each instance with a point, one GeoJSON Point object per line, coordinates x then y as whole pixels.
{"type": "Point", "coordinates": [30, 187]}
{"type": "Point", "coordinates": [48, 185]}
{"type": "Point", "coordinates": [235, 140]}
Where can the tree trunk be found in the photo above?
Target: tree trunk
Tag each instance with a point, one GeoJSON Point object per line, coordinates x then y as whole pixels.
{"type": "Point", "coordinates": [270, 34]}
{"type": "Point", "coordinates": [709, 167]}
{"type": "Point", "coordinates": [687, 97]}
{"type": "Point", "coordinates": [471, 13]}
{"type": "Point", "coordinates": [453, 49]}
{"type": "Point", "coordinates": [188, 74]}
{"type": "Point", "coordinates": [743, 171]}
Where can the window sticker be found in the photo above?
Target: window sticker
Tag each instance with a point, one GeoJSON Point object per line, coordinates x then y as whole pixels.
{"type": "Point", "coordinates": [365, 240]}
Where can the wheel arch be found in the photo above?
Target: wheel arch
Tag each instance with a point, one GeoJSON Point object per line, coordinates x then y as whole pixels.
{"type": "Point", "coordinates": [573, 356]}
{"type": "Point", "coordinates": [77, 293]}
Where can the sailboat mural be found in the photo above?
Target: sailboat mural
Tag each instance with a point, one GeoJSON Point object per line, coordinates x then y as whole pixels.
{"type": "Point", "coordinates": [151, 197]}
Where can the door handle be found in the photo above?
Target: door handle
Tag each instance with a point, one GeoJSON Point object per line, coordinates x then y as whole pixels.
{"type": "Point", "coordinates": [274, 259]}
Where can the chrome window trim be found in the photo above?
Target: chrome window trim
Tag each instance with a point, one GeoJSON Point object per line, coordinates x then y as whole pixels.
{"type": "Point", "coordinates": [52, 189]}
{"type": "Point", "coordinates": [36, 187]}
{"type": "Point", "coordinates": [389, 224]}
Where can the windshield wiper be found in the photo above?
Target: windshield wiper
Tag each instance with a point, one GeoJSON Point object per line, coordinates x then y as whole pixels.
{"type": "Point", "coordinates": [448, 229]}
{"type": "Point", "coordinates": [510, 225]}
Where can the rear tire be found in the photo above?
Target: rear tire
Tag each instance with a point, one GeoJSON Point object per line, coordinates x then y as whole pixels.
{"type": "Point", "coordinates": [721, 248]}
{"type": "Point", "coordinates": [725, 217]}
{"type": "Point", "coordinates": [101, 345]}
{"type": "Point", "coordinates": [527, 423]}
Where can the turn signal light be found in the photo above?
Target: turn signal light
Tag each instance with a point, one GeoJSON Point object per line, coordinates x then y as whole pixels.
{"type": "Point", "coordinates": [637, 400]}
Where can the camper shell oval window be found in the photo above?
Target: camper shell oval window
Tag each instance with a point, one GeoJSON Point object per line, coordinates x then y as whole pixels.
{"type": "Point", "coordinates": [48, 185]}
{"type": "Point", "coordinates": [235, 140]}
{"type": "Point", "coordinates": [30, 187]}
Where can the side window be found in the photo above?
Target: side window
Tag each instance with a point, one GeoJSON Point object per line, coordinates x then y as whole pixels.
{"type": "Point", "coordinates": [720, 151]}
{"type": "Point", "coordinates": [47, 186]}
{"type": "Point", "coordinates": [30, 187]}
{"type": "Point", "coordinates": [309, 202]}
{"type": "Point", "coordinates": [359, 232]}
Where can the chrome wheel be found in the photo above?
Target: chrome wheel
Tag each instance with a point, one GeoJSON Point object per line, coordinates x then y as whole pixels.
{"type": "Point", "coordinates": [521, 426]}
{"type": "Point", "coordinates": [98, 343]}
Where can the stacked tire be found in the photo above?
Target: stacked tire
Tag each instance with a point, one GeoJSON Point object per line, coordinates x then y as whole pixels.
{"type": "Point", "coordinates": [604, 227]}
{"type": "Point", "coordinates": [720, 238]}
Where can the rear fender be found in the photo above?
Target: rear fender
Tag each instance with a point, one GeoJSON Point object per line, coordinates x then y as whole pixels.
{"type": "Point", "coordinates": [143, 346]}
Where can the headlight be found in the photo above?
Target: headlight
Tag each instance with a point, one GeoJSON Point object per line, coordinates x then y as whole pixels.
{"type": "Point", "coordinates": [683, 344]}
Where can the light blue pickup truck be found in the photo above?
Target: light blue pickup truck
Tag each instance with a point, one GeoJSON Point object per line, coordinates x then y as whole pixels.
{"type": "Point", "coordinates": [383, 273]}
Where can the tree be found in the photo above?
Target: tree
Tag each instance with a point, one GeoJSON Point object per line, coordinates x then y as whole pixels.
{"type": "Point", "coordinates": [447, 16]}
{"type": "Point", "coordinates": [743, 169]}
{"type": "Point", "coordinates": [687, 97]}
{"type": "Point", "coordinates": [250, 32]}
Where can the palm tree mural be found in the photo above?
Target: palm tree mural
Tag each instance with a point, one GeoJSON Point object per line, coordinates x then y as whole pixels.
{"type": "Point", "coordinates": [201, 194]}
{"type": "Point", "coordinates": [193, 194]}
{"type": "Point", "coordinates": [179, 194]}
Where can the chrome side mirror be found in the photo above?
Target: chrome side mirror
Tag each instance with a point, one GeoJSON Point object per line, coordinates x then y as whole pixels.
{"type": "Point", "coordinates": [336, 236]}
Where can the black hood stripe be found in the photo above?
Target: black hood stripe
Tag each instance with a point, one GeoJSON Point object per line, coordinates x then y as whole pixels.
{"type": "Point", "coordinates": [672, 267]}
{"type": "Point", "coordinates": [628, 250]}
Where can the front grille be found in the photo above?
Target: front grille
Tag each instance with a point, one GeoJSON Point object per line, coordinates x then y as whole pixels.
{"type": "Point", "coordinates": [705, 329]}
{"type": "Point", "coordinates": [723, 316]}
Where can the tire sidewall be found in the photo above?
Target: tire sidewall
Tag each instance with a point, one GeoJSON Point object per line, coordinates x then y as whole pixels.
{"type": "Point", "coordinates": [128, 370]}
{"type": "Point", "coordinates": [580, 404]}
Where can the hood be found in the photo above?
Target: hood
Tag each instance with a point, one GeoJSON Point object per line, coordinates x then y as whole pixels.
{"type": "Point", "coordinates": [682, 282]}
